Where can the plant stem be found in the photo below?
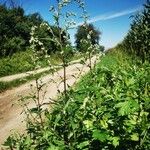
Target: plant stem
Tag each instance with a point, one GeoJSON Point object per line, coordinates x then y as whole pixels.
{"type": "Point", "coordinates": [90, 62]}
{"type": "Point", "coordinates": [38, 102]}
{"type": "Point", "coordinates": [64, 81]}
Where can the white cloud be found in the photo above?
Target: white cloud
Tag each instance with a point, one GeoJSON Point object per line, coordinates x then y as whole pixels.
{"type": "Point", "coordinates": [110, 16]}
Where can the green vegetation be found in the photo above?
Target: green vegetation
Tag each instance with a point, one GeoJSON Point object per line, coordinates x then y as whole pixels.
{"type": "Point", "coordinates": [15, 65]}
{"type": "Point", "coordinates": [22, 62]}
{"type": "Point", "coordinates": [108, 109]}
{"type": "Point", "coordinates": [8, 85]}
{"type": "Point", "coordinates": [82, 35]}
{"type": "Point", "coordinates": [137, 40]}
{"type": "Point", "coordinates": [15, 31]}
{"type": "Point", "coordinates": [16, 55]}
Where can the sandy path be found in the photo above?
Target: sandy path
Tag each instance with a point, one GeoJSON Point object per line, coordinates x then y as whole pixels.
{"type": "Point", "coordinates": [10, 113]}
{"type": "Point", "coordinates": [22, 75]}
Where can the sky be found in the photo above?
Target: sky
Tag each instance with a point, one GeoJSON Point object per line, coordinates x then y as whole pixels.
{"type": "Point", "coordinates": [111, 17]}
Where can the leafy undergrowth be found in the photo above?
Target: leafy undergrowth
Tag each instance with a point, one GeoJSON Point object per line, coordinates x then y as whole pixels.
{"type": "Point", "coordinates": [17, 82]}
{"type": "Point", "coordinates": [108, 109]}
{"type": "Point", "coordinates": [22, 62]}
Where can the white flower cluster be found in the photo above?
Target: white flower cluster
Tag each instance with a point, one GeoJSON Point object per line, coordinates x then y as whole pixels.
{"type": "Point", "coordinates": [81, 3]}
{"type": "Point", "coordinates": [84, 41]}
{"type": "Point", "coordinates": [37, 46]}
{"type": "Point", "coordinates": [44, 24]}
{"type": "Point", "coordinates": [89, 35]}
{"type": "Point", "coordinates": [63, 3]}
{"type": "Point", "coordinates": [70, 24]}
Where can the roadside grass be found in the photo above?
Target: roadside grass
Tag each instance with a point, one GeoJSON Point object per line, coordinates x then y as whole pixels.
{"type": "Point", "coordinates": [18, 63]}
{"type": "Point", "coordinates": [15, 83]}
{"type": "Point", "coordinates": [108, 97]}
{"type": "Point", "coordinates": [22, 62]}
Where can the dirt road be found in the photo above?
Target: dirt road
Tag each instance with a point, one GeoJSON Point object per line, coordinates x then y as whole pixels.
{"type": "Point", "coordinates": [22, 75]}
{"type": "Point", "coordinates": [11, 118]}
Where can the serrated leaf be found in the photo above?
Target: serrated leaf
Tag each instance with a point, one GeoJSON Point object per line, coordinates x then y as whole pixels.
{"type": "Point", "coordinates": [127, 107]}
{"type": "Point", "coordinates": [28, 141]}
{"type": "Point", "coordinates": [104, 123]}
{"type": "Point", "coordinates": [123, 108]}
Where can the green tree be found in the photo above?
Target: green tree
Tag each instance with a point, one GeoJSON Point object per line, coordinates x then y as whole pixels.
{"type": "Point", "coordinates": [15, 28]}
{"type": "Point", "coordinates": [82, 34]}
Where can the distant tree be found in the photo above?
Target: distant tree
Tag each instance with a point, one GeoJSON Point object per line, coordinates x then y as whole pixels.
{"type": "Point", "coordinates": [35, 18]}
{"type": "Point", "coordinates": [82, 34]}
{"type": "Point", "coordinates": [101, 48]}
{"type": "Point", "coordinates": [15, 29]}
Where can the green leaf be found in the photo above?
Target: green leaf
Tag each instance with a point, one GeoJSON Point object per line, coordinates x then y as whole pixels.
{"type": "Point", "coordinates": [28, 141]}
{"type": "Point", "coordinates": [35, 110]}
{"type": "Point", "coordinates": [88, 123]}
{"type": "Point", "coordinates": [83, 145]}
{"type": "Point", "coordinates": [130, 82]}
{"type": "Point", "coordinates": [123, 108]}
{"type": "Point", "coordinates": [127, 107]}
{"type": "Point", "coordinates": [100, 135]}
{"type": "Point", "coordinates": [9, 142]}
{"type": "Point", "coordinates": [104, 123]}
{"type": "Point", "coordinates": [115, 141]}
{"type": "Point", "coordinates": [52, 147]}
{"type": "Point", "coordinates": [135, 137]}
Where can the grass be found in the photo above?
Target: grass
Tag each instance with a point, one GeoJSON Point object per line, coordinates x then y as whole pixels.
{"type": "Point", "coordinates": [22, 62]}
{"type": "Point", "coordinates": [15, 83]}
{"type": "Point", "coordinates": [18, 63]}
{"type": "Point", "coordinates": [25, 59]}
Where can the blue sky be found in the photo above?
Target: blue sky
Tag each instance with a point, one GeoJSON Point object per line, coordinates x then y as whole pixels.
{"type": "Point", "coordinates": [111, 17]}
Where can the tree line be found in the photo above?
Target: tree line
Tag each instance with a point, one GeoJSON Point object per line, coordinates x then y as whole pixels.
{"type": "Point", "coordinates": [137, 41]}
{"type": "Point", "coordinates": [15, 28]}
